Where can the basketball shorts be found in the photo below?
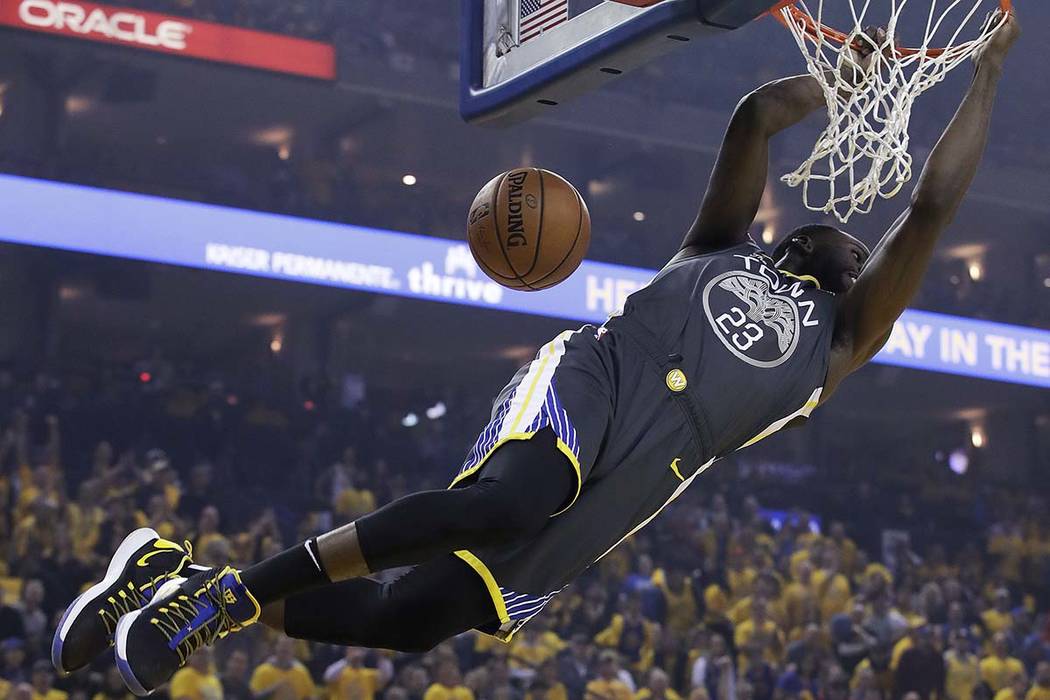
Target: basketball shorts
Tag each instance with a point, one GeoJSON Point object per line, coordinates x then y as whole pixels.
{"type": "Point", "coordinates": [628, 438]}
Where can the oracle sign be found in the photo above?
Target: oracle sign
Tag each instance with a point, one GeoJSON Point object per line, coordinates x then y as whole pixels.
{"type": "Point", "coordinates": [156, 32]}
{"type": "Point", "coordinates": [122, 25]}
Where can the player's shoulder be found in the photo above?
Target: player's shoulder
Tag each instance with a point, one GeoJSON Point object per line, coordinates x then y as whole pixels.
{"type": "Point", "coordinates": [696, 252]}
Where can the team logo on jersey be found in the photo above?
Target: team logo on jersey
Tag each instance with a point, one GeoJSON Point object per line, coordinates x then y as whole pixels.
{"type": "Point", "coordinates": [755, 324]}
{"type": "Point", "coordinates": [676, 380]}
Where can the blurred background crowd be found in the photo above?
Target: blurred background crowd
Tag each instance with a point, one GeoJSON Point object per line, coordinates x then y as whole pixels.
{"type": "Point", "coordinates": [731, 594]}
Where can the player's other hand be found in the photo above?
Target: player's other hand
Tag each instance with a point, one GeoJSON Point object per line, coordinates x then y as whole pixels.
{"type": "Point", "coordinates": [862, 48]}
{"type": "Point", "coordinates": [999, 45]}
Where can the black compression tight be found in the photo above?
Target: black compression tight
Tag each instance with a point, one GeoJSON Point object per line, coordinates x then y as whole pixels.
{"type": "Point", "coordinates": [520, 487]}
{"type": "Point", "coordinates": [523, 483]}
{"type": "Point", "coordinates": [431, 603]}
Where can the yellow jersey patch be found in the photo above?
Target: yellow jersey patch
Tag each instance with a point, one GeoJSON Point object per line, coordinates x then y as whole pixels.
{"type": "Point", "coordinates": [676, 380]}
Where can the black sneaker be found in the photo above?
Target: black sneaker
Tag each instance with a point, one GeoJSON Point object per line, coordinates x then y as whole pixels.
{"type": "Point", "coordinates": [185, 615]}
{"type": "Point", "coordinates": [141, 564]}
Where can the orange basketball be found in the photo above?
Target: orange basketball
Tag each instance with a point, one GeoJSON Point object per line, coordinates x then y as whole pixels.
{"type": "Point", "coordinates": [528, 229]}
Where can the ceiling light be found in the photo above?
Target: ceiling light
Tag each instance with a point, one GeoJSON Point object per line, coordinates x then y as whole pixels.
{"type": "Point", "coordinates": [408, 179]}
{"type": "Point", "coordinates": [76, 104]}
{"type": "Point", "coordinates": [959, 461]}
{"type": "Point", "coordinates": [272, 136]}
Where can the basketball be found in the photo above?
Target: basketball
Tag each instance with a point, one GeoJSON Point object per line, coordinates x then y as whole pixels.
{"type": "Point", "coordinates": [528, 229]}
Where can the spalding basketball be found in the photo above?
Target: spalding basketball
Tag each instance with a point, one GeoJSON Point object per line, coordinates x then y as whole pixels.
{"type": "Point", "coordinates": [528, 229]}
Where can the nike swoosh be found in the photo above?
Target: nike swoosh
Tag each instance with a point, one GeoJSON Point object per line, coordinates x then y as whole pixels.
{"type": "Point", "coordinates": [159, 547]}
{"type": "Point", "coordinates": [674, 468]}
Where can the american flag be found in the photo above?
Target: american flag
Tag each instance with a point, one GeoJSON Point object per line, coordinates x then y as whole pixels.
{"type": "Point", "coordinates": [537, 16]}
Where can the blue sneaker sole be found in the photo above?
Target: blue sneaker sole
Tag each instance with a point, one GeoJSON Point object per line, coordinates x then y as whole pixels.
{"type": "Point", "coordinates": [131, 544]}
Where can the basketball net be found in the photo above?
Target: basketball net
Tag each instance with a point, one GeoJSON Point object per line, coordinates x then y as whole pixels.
{"type": "Point", "coordinates": [863, 152]}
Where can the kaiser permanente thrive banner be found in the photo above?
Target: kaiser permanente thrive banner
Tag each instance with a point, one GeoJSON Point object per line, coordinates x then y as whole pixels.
{"type": "Point", "coordinates": [141, 227]}
{"type": "Point", "coordinates": [172, 35]}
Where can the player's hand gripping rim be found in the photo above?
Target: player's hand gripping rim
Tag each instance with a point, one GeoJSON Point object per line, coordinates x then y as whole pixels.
{"type": "Point", "coordinates": [995, 50]}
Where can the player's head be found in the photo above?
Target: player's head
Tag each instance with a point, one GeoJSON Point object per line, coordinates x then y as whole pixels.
{"type": "Point", "coordinates": [833, 257]}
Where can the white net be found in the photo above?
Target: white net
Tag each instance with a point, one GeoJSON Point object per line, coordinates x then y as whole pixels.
{"type": "Point", "coordinates": [863, 152]}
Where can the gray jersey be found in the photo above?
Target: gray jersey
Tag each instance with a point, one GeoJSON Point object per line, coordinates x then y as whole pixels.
{"type": "Point", "coordinates": [716, 353]}
{"type": "Point", "coordinates": [754, 340]}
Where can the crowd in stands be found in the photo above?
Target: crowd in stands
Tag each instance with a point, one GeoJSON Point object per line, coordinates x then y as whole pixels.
{"type": "Point", "coordinates": [710, 602]}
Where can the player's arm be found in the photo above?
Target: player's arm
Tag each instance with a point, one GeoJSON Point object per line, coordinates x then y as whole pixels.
{"type": "Point", "coordinates": [734, 191]}
{"type": "Point", "coordinates": [896, 267]}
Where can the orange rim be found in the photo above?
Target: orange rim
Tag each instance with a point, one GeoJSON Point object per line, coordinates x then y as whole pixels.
{"type": "Point", "coordinates": [812, 28]}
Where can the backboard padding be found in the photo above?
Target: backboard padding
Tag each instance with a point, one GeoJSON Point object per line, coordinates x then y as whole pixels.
{"type": "Point", "coordinates": [503, 82]}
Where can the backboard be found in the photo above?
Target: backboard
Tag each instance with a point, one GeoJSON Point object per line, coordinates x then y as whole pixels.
{"type": "Point", "coordinates": [523, 57]}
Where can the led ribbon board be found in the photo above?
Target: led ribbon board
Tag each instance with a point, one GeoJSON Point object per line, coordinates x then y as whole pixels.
{"type": "Point", "coordinates": [154, 229]}
{"type": "Point", "coordinates": [179, 36]}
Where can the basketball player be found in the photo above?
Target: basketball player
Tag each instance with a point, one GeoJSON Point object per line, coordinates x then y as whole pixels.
{"type": "Point", "coordinates": [589, 441]}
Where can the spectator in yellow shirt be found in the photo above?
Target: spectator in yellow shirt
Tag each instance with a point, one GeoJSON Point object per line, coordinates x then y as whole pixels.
{"type": "Point", "coordinates": [1040, 690]}
{"type": "Point", "coordinates": [281, 676]}
{"type": "Point", "coordinates": [349, 679]}
{"type": "Point", "coordinates": [43, 681]}
{"type": "Point", "coordinates": [448, 685]}
{"type": "Point", "coordinates": [799, 595]}
{"type": "Point", "coordinates": [766, 586]}
{"type": "Point", "coordinates": [847, 547]}
{"type": "Point", "coordinates": [86, 516]}
{"type": "Point", "coordinates": [998, 618]}
{"type": "Point", "coordinates": [353, 503]}
{"type": "Point", "coordinates": [546, 686]}
{"type": "Point", "coordinates": [208, 530]}
{"type": "Point", "coordinates": [608, 685]}
{"type": "Point", "coordinates": [680, 602]}
{"type": "Point", "coordinates": [831, 587]}
{"type": "Point", "coordinates": [962, 669]}
{"type": "Point", "coordinates": [761, 631]}
{"type": "Point", "coordinates": [1007, 543]}
{"type": "Point", "coordinates": [529, 650]}
{"type": "Point", "coordinates": [1015, 689]}
{"type": "Point", "coordinates": [162, 517]}
{"type": "Point", "coordinates": [658, 687]}
{"type": "Point", "coordinates": [631, 635]}
{"type": "Point", "coordinates": [197, 680]}
{"type": "Point", "coordinates": [999, 667]}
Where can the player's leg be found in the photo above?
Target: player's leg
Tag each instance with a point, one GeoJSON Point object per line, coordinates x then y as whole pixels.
{"type": "Point", "coordinates": [521, 486]}
{"type": "Point", "coordinates": [432, 602]}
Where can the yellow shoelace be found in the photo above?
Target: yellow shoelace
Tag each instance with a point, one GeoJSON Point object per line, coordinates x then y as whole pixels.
{"type": "Point", "coordinates": [180, 610]}
{"type": "Point", "coordinates": [132, 598]}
